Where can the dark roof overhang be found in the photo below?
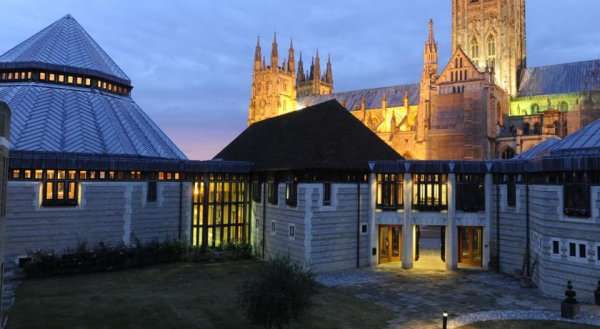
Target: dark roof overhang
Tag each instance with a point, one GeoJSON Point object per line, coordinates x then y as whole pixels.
{"type": "Point", "coordinates": [83, 161]}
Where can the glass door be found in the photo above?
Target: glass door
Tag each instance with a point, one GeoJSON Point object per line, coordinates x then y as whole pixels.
{"type": "Point", "coordinates": [470, 245]}
{"type": "Point", "coordinates": [390, 243]}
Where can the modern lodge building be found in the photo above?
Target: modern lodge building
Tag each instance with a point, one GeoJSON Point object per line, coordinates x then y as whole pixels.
{"type": "Point", "coordinates": [87, 165]}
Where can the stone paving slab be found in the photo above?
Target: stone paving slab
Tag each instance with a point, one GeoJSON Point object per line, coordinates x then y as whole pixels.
{"type": "Point", "coordinates": [418, 297]}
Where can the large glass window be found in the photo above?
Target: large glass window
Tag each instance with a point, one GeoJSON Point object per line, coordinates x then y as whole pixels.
{"type": "Point", "coordinates": [470, 193]}
{"type": "Point", "coordinates": [220, 206]}
{"type": "Point", "coordinates": [576, 195]}
{"type": "Point", "coordinates": [430, 192]}
{"type": "Point", "coordinates": [390, 191]}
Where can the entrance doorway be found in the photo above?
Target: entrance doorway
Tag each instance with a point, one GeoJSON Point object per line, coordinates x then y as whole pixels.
{"type": "Point", "coordinates": [390, 243]}
{"type": "Point", "coordinates": [470, 245]}
{"type": "Point", "coordinates": [430, 247]}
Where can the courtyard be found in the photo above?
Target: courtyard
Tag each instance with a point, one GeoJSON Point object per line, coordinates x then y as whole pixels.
{"type": "Point", "coordinates": [418, 297]}
{"type": "Point", "coordinates": [205, 296]}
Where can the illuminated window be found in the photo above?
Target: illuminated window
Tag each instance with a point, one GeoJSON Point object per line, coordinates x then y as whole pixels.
{"type": "Point", "coordinates": [430, 192]}
{"type": "Point", "coordinates": [27, 174]}
{"type": "Point", "coordinates": [59, 189]}
{"type": "Point", "coordinates": [390, 191]}
{"type": "Point", "coordinates": [42, 75]}
{"type": "Point", "coordinates": [61, 78]}
{"type": "Point", "coordinates": [16, 174]}
{"type": "Point", "coordinates": [70, 79]}
{"type": "Point", "coordinates": [23, 75]}
{"type": "Point", "coordinates": [83, 175]}
{"type": "Point", "coordinates": [39, 174]}
{"type": "Point", "coordinates": [79, 80]}
{"type": "Point", "coordinates": [51, 77]}
{"type": "Point", "coordinates": [29, 75]}
{"type": "Point", "coordinates": [10, 75]}
{"type": "Point", "coordinates": [88, 82]}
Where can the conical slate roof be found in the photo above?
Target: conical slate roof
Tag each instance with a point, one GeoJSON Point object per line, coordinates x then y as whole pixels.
{"type": "Point", "coordinates": [55, 117]}
{"type": "Point", "coordinates": [65, 44]}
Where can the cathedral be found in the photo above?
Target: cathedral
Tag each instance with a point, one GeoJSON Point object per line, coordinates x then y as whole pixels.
{"type": "Point", "coordinates": [484, 103]}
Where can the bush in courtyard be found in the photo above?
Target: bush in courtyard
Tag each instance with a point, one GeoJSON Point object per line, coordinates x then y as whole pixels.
{"type": "Point", "coordinates": [281, 293]}
{"type": "Point", "coordinates": [104, 257]}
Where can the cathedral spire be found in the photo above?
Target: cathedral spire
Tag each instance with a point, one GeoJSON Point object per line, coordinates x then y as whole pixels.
{"type": "Point", "coordinates": [274, 53]}
{"type": "Point", "coordinates": [311, 75]}
{"type": "Point", "coordinates": [257, 55]}
{"type": "Point", "coordinates": [329, 71]}
{"type": "Point", "coordinates": [430, 55]}
{"type": "Point", "coordinates": [300, 76]}
{"type": "Point", "coordinates": [291, 65]}
{"type": "Point", "coordinates": [317, 70]}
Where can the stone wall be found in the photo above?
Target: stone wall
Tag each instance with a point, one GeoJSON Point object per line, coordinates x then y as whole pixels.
{"type": "Point", "coordinates": [109, 212]}
{"type": "Point", "coordinates": [325, 236]}
{"type": "Point", "coordinates": [549, 271]}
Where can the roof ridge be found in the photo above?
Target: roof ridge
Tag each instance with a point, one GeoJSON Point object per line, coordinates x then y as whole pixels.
{"type": "Point", "coordinates": [565, 63]}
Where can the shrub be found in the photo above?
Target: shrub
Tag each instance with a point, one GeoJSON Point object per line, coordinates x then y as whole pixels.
{"type": "Point", "coordinates": [281, 293]}
{"type": "Point", "coordinates": [104, 257]}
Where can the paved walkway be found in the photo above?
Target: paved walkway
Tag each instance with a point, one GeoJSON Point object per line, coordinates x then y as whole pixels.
{"type": "Point", "coordinates": [418, 297]}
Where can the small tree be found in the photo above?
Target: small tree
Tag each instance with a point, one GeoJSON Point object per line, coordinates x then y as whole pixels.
{"type": "Point", "coordinates": [281, 293]}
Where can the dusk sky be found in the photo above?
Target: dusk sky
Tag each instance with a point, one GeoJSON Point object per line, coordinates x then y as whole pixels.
{"type": "Point", "coordinates": [190, 61]}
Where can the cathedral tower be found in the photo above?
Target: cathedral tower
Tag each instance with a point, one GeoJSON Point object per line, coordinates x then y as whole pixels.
{"type": "Point", "coordinates": [274, 86]}
{"type": "Point", "coordinates": [492, 33]}
{"type": "Point", "coordinates": [314, 83]}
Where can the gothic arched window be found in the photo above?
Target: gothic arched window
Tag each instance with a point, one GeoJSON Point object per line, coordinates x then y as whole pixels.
{"type": "Point", "coordinates": [526, 128]}
{"type": "Point", "coordinates": [557, 129]}
{"type": "Point", "coordinates": [535, 108]}
{"type": "Point", "coordinates": [564, 106]}
{"type": "Point", "coordinates": [491, 46]}
{"type": "Point", "coordinates": [508, 153]}
{"type": "Point", "coordinates": [474, 49]}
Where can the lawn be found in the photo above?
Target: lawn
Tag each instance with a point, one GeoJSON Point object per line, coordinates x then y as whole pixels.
{"type": "Point", "coordinates": [170, 296]}
{"type": "Point", "coordinates": [526, 325]}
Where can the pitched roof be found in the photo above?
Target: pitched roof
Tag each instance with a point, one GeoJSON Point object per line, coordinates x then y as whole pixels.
{"type": "Point", "coordinates": [584, 142]}
{"type": "Point", "coordinates": [373, 97]}
{"type": "Point", "coordinates": [560, 78]}
{"type": "Point", "coordinates": [540, 150]}
{"type": "Point", "coordinates": [323, 136]}
{"type": "Point", "coordinates": [64, 44]}
{"type": "Point", "coordinates": [70, 119]}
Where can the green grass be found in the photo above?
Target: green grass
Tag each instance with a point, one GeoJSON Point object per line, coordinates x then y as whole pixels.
{"type": "Point", "coordinates": [526, 325]}
{"type": "Point", "coordinates": [170, 296]}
